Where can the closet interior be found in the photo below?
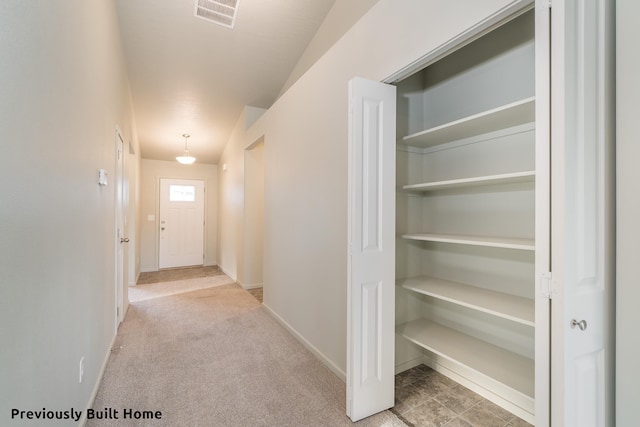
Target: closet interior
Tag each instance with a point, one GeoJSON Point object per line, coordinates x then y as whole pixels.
{"type": "Point", "coordinates": [465, 216]}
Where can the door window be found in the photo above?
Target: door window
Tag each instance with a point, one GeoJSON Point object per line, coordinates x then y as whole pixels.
{"type": "Point", "coordinates": [182, 193]}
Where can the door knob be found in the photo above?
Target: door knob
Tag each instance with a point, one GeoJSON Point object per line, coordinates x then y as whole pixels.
{"type": "Point", "coordinates": [124, 240]}
{"type": "Point", "coordinates": [582, 324]}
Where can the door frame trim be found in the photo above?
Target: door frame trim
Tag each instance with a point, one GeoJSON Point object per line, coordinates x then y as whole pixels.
{"type": "Point", "coordinates": [501, 17]}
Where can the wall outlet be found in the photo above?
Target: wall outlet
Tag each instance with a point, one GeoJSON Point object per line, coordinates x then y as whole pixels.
{"type": "Point", "coordinates": [81, 370]}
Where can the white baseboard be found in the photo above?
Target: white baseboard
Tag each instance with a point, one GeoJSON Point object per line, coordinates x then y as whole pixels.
{"type": "Point", "coordinates": [324, 359]}
{"type": "Point", "coordinates": [247, 286]}
{"type": "Point", "coordinates": [83, 419]}
{"type": "Point", "coordinates": [405, 366]}
{"type": "Point", "coordinates": [479, 385]}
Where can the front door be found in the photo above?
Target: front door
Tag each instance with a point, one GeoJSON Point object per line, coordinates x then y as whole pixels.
{"type": "Point", "coordinates": [181, 223]}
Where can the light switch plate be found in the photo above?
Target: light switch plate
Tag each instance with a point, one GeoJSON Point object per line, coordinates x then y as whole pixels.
{"type": "Point", "coordinates": [102, 177]}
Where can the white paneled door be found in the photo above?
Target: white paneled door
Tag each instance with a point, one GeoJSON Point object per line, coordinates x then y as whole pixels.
{"type": "Point", "coordinates": [121, 223]}
{"type": "Point", "coordinates": [181, 223]}
{"type": "Point", "coordinates": [582, 216]}
{"type": "Point", "coordinates": [371, 266]}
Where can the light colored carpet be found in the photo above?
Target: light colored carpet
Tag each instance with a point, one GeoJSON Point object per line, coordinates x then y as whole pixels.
{"type": "Point", "coordinates": [214, 357]}
{"type": "Point", "coordinates": [155, 290]}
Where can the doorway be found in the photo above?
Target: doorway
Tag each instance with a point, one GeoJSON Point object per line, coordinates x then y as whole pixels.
{"type": "Point", "coordinates": [181, 223]}
{"type": "Point", "coordinates": [252, 274]}
{"type": "Point", "coordinates": [121, 192]}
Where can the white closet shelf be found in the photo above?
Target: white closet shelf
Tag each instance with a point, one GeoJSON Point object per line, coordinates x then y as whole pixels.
{"type": "Point", "coordinates": [506, 178]}
{"type": "Point", "coordinates": [510, 307]}
{"type": "Point", "coordinates": [494, 242]}
{"type": "Point", "coordinates": [510, 369]}
{"type": "Point", "coordinates": [515, 113]}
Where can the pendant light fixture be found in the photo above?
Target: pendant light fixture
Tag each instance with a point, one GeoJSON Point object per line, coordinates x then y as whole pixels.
{"type": "Point", "coordinates": [186, 158]}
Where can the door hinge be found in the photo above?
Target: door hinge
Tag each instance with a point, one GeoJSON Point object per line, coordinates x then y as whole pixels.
{"type": "Point", "coordinates": [545, 285]}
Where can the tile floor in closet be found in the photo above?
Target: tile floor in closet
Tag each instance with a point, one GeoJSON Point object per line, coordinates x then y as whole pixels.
{"type": "Point", "coordinates": [425, 397]}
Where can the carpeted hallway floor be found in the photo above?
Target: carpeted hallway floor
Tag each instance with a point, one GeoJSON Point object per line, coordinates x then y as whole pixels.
{"type": "Point", "coordinates": [214, 357]}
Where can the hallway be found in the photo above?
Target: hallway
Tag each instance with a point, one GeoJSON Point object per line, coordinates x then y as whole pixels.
{"type": "Point", "coordinates": [213, 356]}
{"type": "Point", "coordinates": [95, 98]}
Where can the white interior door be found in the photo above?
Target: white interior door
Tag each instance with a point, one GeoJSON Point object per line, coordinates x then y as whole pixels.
{"type": "Point", "coordinates": [181, 223]}
{"type": "Point", "coordinates": [582, 214]}
{"type": "Point", "coordinates": [121, 238]}
{"type": "Point", "coordinates": [132, 223]}
{"type": "Point", "coordinates": [371, 265]}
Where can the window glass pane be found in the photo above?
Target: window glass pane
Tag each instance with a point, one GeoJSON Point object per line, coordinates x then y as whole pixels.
{"type": "Point", "coordinates": [182, 193]}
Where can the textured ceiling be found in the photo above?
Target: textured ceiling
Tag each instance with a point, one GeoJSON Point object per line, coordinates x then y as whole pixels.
{"type": "Point", "coordinates": [188, 75]}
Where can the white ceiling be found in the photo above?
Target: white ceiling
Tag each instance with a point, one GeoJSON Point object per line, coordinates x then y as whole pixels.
{"type": "Point", "coordinates": [188, 75]}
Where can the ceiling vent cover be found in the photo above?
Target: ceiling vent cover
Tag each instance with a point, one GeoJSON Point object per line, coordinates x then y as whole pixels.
{"type": "Point", "coordinates": [222, 12]}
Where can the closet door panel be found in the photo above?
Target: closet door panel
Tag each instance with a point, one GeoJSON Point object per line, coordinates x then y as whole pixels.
{"type": "Point", "coordinates": [371, 219]}
{"type": "Point", "coordinates": [582, 213]}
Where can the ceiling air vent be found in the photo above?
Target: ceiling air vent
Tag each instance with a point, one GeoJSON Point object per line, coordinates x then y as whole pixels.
{"type": "Point", "coordinates": [221, 12]}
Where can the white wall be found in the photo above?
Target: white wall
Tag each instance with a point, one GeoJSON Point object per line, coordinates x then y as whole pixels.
{"type": "Point", "coordinates": [231, 207]}
{"type": "Point", "coordinates": [231, 200]}
{"type": "Point", "coordinates": [305, 132]}
{"type": "Point", "coordinates": [151, 172]}
{"type": "Point", "coordinates": [64, 88]}
{"type": "Point", "coordinates": [341, 17]}
{"type": "Point", "coordinates": [628, 212]}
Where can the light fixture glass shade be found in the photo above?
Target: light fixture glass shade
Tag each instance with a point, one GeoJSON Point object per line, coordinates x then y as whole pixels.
{"type": "Point", "coordinates": [186, 159]}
